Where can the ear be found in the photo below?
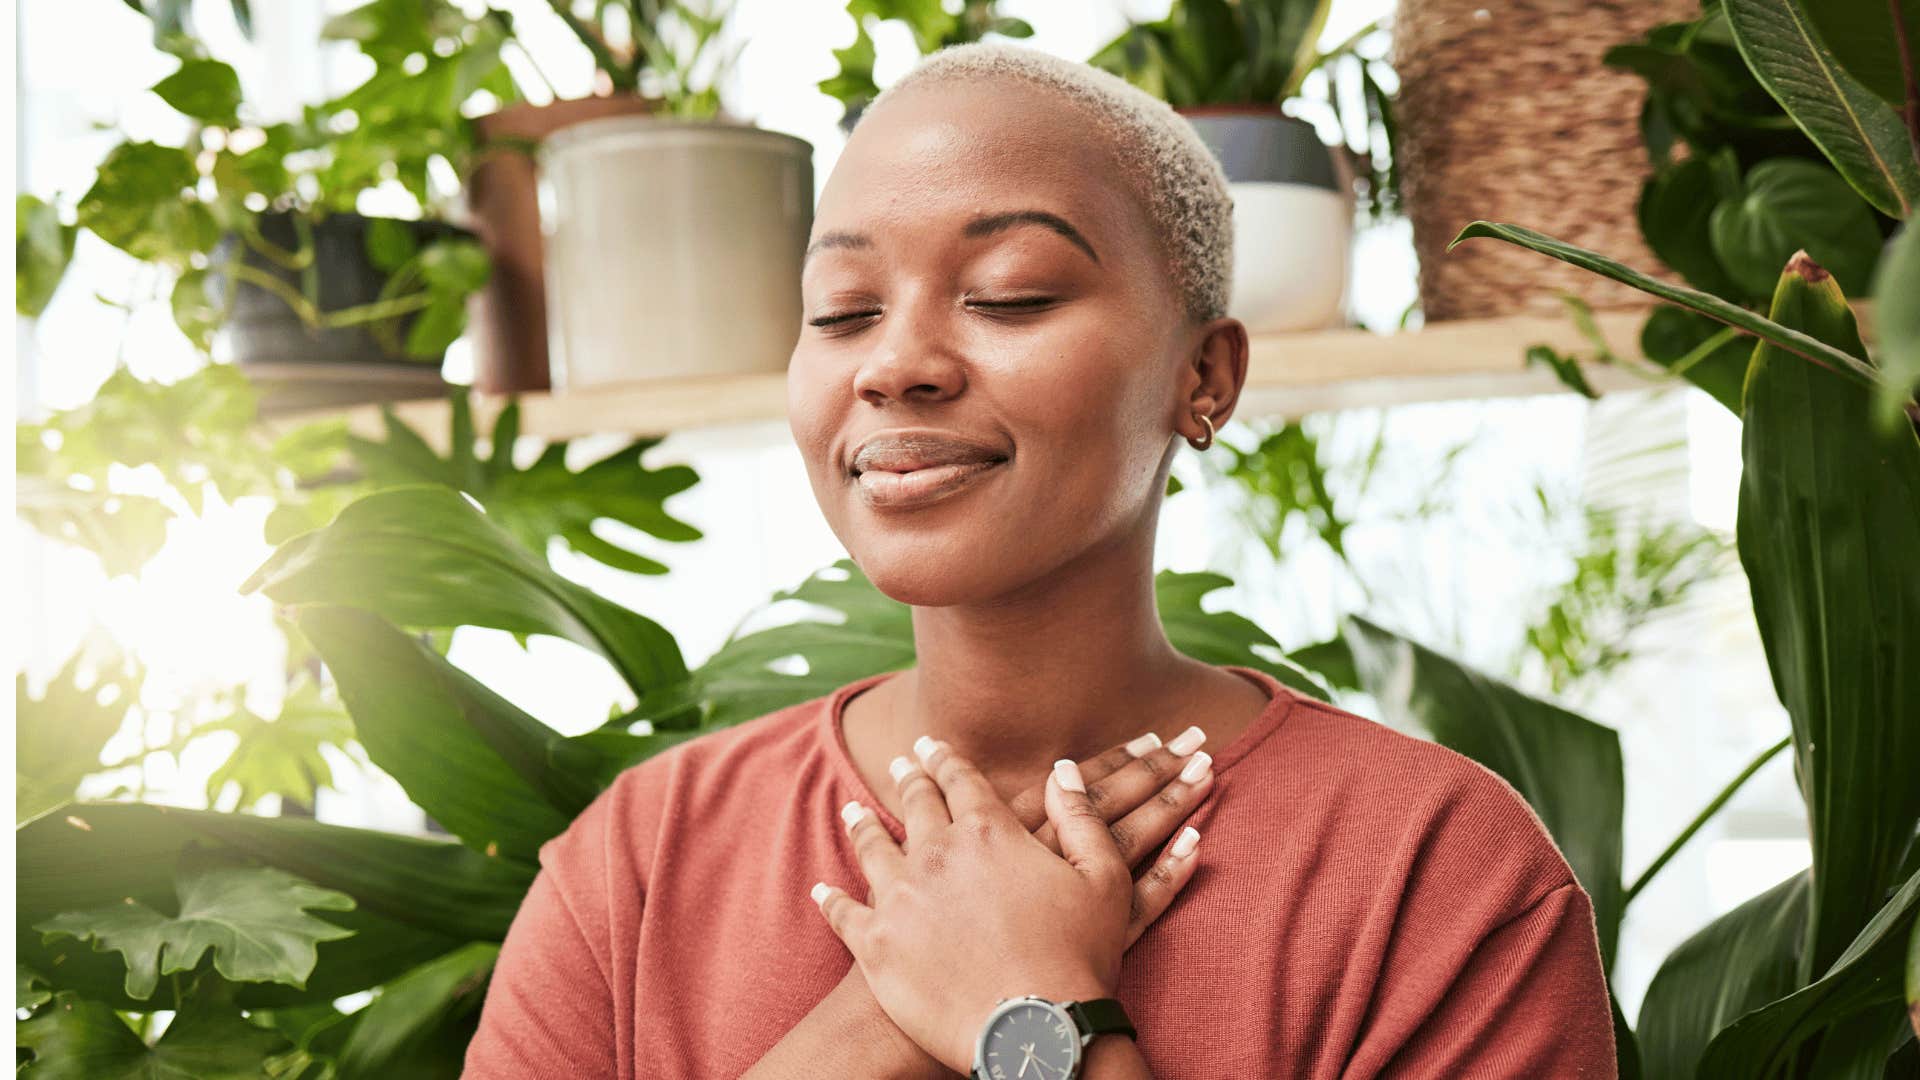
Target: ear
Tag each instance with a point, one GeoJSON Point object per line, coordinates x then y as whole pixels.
{"type": "Point", "coordinates": [1219, 365]}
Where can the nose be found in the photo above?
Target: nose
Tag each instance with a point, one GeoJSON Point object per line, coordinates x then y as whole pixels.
{"type": "Point", "coordinates": [912, 356]}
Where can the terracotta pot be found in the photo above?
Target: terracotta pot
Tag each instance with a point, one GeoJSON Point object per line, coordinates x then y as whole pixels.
{"type": "Point", "coordinates": [509, 331]}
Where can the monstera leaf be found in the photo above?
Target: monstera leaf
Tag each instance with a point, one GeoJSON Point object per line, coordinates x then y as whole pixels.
{"type": "Point", "coordinates": [79, 1039]}
{"type": "Point", "coordinates": [251, 918]}
{"type": "Point", "coordinates": [546, 499]}
{"type": "Point", "coordinates": [58, 737]}
{"type": "Point", "coordinates": [281, 756]}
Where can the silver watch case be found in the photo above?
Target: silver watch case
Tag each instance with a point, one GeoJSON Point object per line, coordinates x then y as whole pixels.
{"type": "Point", "coordinates": [1007, 1005]}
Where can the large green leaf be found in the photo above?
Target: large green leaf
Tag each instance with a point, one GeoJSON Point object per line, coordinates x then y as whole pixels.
{"type": "Point", "coordinates": [1859, 133]}
{"type": "Point", "coordinates": [1786, 338]}
{"type": "Point", "coordinates": [417, 898]}
{"type": "Point", "coordinates": [252, 918]}
{"type": "Point", "coordinates": [1705, 353]}
{"type": "Point", "coordinates": [1567, 767]}
{"type": "Point", "coordinates": [1862, 34]}
{"type": "Point", "coordinates": [1222, 637]}
{"type": "Point", "coordinates": [423, 556]}
{"type": "Point", "coordinates": [463, 753]}
{"type": "Point", "coordinates": [1861, 988]}
{"type": "Point", "coordinates": [1735, 964]}
{"type": "Point", "coordinates": [281, 756]}
{"type": "Point", "coordinates": [409, 1009]}
{"type": "Point", "coordinates": [1828, 525]}
{"type": "Point", "coordinates": [1787, 205]}
{"type": "Point", "coordinates": [1897, 325]}
{"type": "Point", "coordinates": [80, 1039]}
{"type": "Point", "coordinates": [140, 203]}
{"type": "Point", "coordinates": [203, 89]}
{"type": "Point", "coordinates": [546, 499]}
{"type": "Point", "coordinates": [58, 737]}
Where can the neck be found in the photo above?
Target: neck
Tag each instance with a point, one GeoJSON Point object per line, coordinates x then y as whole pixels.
{"type": "Point", "coordinates": [1067, 668]}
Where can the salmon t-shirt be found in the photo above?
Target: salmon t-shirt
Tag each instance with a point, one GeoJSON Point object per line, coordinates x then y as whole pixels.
{"type": "Point", "coordinates": [1367, 904]}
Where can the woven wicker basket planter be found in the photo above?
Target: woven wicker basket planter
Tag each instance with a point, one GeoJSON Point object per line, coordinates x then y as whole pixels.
{"type": "Point", "coordinates": [1506, 113]}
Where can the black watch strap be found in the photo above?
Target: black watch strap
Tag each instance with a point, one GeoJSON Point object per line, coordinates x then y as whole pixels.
{"type": "Point", "coordinates": [1099, 1016]}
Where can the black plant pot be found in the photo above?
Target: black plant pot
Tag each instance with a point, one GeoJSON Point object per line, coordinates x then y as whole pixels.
{"type": "Point", "coordinates": [297, 366]}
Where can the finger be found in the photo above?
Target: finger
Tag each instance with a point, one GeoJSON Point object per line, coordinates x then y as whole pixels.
{"type": "Point", "coordinates": [923, 809]}
{"type": "Point", "coordinates": [1030, 806]}
{"type": "Point", "coordinates": [1149, 779]}
{"type": "Point", "coordinates": [1142, 831]}
{"type": "Point", "coordinates": [879, 857]}
{"type": "Point", "coordinates": [967, 791]}
{"type": "Point", "coordinates": [1084, 839]}
{"type": "Point", "coordinates": [845, 915]}
{"type": "Point", "coordinates": [1155, 890]}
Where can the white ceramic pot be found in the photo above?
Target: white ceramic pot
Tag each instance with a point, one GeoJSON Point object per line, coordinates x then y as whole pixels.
{"type": "Point", "coordinates": [1292, 218]}
{"type": "Point", "coordinates": [673, 248]}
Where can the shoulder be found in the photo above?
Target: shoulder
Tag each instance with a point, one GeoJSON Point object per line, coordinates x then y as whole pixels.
{"type": "Point", "coordinates": [1429, 813]}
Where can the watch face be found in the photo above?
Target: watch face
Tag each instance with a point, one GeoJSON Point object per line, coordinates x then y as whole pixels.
{"type": "Point", "coordinates": [1030, 1040]}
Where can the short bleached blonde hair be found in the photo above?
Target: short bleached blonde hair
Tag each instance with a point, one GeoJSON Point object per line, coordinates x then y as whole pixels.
{"type": "Point", "coordinates": [1177, 180]}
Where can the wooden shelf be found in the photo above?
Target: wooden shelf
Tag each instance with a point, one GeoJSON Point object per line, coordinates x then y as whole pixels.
{"type": "Point", "coordinates": [1288, 375]}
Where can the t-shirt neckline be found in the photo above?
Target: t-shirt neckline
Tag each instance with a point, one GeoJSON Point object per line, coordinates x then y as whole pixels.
{"type": "Point", "coordinates": [1280, 703]}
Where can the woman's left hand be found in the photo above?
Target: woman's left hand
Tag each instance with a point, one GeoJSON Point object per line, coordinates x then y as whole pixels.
{"type": "Point", "coordinates": [977, 909]}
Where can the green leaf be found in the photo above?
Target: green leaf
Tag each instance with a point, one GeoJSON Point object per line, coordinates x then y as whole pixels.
{"type": "Point", "coordinates": [42, 248]}
{"type": "Point", "coordinates": [390, 243]}
{"type": "Point", "coordinates": [251, 918]}
{"type": "Point", "coordinates": [205, 90]}
{"type": "Point", "coordinates": [196, 310]}
{"type": "Point", "coordinates": [281, 756]}
{"type": "Point", "coordinates": [28, 984]}
{"type": "Point", "coordinates": [1564, 368]}
{"type": "Point", "coordinates": [1707, 354]}
{"type": "Point", "coordinates": [79, 1039]}
{"type": "Point", "coordinates": [1735, 964]}
{"type": "Point", "coordinates": [1674, 209]}
{"type": "Point", "coordinates": [464, 754]}
{"type": "Point", "coordinates": [1567, 767]}
{"type": "Point", "coordinates": [1223, 637]}
{"type": "Point", "coordinates": [417, 897]}
{"type": "Point", "coordinates": [455, 267]}
{"type": "Point", "coordinates": [1897, 326]}
{"type": "Point", "coordinates": [1713, 307]}
{"type": "Point", "coordinates": [422, 556]}
{"type": "Point", "coordinates": [1860, 986]}
{"type": "Point", "coordinates": [58, 737]}
{"type": "Point", "coordinates": [437, 326]}
{"type": "Point", "coordinates": [410, 1008]}
{"type": "Point", "coordinates": [1861, 33]}
{"type": "Point", "coordinates": [141, 203]}
{"type": "Point", "coordinates": [1860, 134]}
{"type": "Point", "coordinates": [1788, 205]}
{"type": "Point", "coordinates": [1828, 524]}
{"type": "Point", "coordinates": [547, 499]}
{"type": "Point", "coordinates": [1913, 978]}
{"type": "Point", "coordinates": [123, 530]}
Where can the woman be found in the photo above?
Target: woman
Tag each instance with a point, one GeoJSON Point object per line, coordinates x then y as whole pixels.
{"type": "Point", "coordinates": [1015, 298]}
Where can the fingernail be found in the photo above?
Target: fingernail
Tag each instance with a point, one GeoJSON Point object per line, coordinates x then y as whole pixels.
{"type": "Point", "coordinates": [1143, 745]}
{"type": "Point", "coordinates": [923, 748]}
{"type": "Point", "coordinates": [1187, 741]}
{"type": "Point", "coordinates": [1196, 767]}
{"type": "Point", "coordinates": [1068, 774]}
{"type": "Point", "coordinates": [899, 767]}
{"type": "Point", "coordinates": [820, 891]}
{"type": "Point", "coordinates": [852, 813]}
{"type": "Point", "coordinates": [1183, 846]}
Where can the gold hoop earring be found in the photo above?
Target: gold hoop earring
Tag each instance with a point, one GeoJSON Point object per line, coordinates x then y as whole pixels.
{"type": "Point", "coordinates": [1207, 420]}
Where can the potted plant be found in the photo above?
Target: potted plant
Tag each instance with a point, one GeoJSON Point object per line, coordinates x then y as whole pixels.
{"type": "Point", "coordinates": [1228, 68]}
{"type": "Point", "coordinates": [933, 28]}
{"type": "Point", "coordinates": [254, 228]}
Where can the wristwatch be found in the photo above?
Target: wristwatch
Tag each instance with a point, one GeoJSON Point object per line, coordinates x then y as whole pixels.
{"type": "Point", "coordinates": [1032, 1038]}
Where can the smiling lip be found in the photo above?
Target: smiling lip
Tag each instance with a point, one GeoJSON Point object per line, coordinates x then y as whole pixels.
{"type": "Point", "coordinates": [900, 490]}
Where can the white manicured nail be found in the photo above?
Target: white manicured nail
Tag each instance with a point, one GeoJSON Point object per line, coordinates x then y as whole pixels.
{"type": "Point", "coordinates": [1067, 774]}
{"type": "Point", "coordinates": [1196, 767]}
{"type": "Point", "coordinates": [1143, 745]}
{"type": "Point", "coordinates": [1183, 846]}
{"type": "Point", "coordinates": [820, 891]}
{"type": "Point", "coordinates": [900, 767]}
{"type": "Point", "coordinates": [1187, 741]}
{"type": "Point", "coordinates": [852, 813]}
{"type": "Point", "coordinates": [923, 748]}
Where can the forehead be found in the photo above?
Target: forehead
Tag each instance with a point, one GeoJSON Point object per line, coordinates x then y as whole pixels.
{"type": "Point", "coordinates": [956, 150]}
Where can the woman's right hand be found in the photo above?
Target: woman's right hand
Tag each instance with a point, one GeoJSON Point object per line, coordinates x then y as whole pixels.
{"type": "Point", "coordinates": [1143, 801]}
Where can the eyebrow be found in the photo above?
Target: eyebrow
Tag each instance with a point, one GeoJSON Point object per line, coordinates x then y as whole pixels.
{"type": "Point", "coordinates": [983, 225]}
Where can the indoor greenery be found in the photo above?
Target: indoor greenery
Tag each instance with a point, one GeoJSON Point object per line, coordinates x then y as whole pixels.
{"type": "Point", "coordinates": [933, 27]}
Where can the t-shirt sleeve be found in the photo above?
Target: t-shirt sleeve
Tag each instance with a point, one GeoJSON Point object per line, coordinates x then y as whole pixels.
{"type": "Point", "coordinates": [548, 1010]}
{"type": "Point", "coordinates": [1531, 1000]}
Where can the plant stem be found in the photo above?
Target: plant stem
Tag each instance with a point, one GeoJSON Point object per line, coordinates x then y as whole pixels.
{"type": "Point", "coordinates": [312, 316]}
{"type": "Point", "coordinates": [1910, 111]}
{"type": "Point", "coordinates": [1703, 817]}
{"type": "Point", "coordinates": [602, 55]}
